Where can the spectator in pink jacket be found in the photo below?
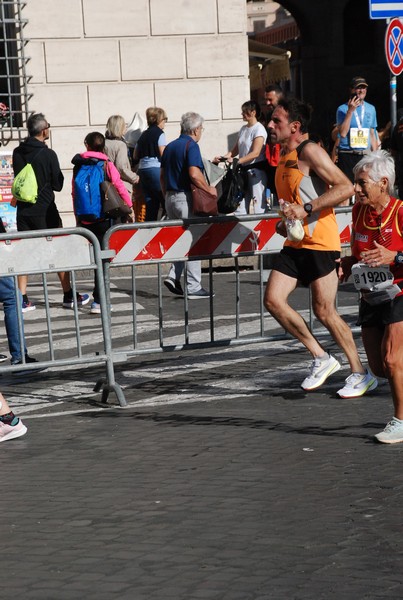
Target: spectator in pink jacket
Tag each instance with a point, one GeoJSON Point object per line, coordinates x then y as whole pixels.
{"type": "Point", "coordinates": [95, 151]}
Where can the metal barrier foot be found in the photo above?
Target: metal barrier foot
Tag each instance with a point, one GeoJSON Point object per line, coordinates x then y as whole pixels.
{"type": "Point", "coordinates": [107, 388]}
{"type": "Point", "coordinates": [119, 394]}
{"type": "Point", "coordinates": [105, 394]}
{"type": "Point", "coordinates": [99, 384]}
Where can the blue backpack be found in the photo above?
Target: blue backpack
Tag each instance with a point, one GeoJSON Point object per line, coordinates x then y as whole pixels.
{"type": "Point", "coordinates": [87, 191]}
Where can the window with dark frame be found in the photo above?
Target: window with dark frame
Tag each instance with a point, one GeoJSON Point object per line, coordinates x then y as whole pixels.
{"type": "Point", "coordinates": [259, 25]}
{"type": "Point", "coordinates": [13, 76]}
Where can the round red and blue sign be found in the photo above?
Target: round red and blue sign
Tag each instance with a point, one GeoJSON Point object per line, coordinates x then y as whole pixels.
{"type": "Point", "coordinates": [394, 46]}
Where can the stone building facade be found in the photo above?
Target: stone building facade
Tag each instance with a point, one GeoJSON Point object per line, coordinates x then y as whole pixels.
{"type": "Point", "coordinates": [90, 59]}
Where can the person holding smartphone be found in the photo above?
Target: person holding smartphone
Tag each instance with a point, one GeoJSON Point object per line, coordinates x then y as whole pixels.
{"type": "Point", "coordinates": [356, 122]}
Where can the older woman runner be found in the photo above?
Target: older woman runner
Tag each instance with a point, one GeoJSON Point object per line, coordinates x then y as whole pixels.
{"type": "Point", "coordinates": [377, 268]}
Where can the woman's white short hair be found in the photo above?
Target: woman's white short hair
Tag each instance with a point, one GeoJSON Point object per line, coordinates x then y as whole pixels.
{"type": "Point", "coordinates": [378, 164]}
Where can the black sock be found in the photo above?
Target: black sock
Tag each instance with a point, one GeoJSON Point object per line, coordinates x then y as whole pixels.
{"type": "Point", "coordinates": [25, 298]}
{"type": "Point", "coordinates": [9, 419]}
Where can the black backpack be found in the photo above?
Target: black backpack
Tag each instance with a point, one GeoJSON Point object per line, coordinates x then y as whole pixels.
{"type": "Point", "coordinates": [230, 189]}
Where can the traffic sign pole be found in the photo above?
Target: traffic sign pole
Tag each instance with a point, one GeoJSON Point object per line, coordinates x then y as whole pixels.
{"type": "Point", "coordinates": [392, 90]}
{"type": "Point", "coordinates": [393, 100]}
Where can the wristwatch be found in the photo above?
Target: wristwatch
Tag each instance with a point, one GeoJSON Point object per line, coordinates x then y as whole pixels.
{"type": "Point", "coordinates": [308, 208]}
{"type": "Point", "coordinates": [399, 258]}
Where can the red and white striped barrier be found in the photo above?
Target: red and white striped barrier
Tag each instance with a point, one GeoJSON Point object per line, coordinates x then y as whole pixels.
{"type": "Point", "coordinates": [205, 240]}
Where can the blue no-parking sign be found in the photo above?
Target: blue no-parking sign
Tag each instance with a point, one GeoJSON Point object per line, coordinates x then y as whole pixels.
{"type": "Point", "coordinates": [385, 9]}
{"type": "Point", "coordinates": [394, 46]}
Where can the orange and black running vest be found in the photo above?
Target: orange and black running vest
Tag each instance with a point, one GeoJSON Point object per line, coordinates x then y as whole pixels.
{"type": "Point", "coordinates": [321, 231]}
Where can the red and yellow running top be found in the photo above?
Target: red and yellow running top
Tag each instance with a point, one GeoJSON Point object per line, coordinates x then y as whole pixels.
{"type": "Point", "coordinates": [386, 229]}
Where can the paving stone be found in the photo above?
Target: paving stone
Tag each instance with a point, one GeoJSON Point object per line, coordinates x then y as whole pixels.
{"type": "Point", "coordinates": [272, 494]}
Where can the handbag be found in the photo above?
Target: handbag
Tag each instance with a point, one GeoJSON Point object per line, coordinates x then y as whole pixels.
{"type": "Point", "coordinates": [113, 206]}
{"type": "Point", "coordinates": [204, 203]}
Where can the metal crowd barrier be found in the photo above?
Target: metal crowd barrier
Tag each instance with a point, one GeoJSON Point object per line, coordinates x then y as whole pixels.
{"type": "Point", "coordinates": [46, 252]}
{"type": "Point", "coordinates": [141, 245]}
{"type": "Point", "coordinates": [128, 251]}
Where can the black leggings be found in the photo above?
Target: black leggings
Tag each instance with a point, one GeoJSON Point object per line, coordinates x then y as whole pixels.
{"type": "Point", "coordinates": [99, 228]}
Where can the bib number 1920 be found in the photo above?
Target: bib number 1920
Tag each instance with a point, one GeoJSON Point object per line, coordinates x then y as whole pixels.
{"type": "Point", "coordinates": [365, 277]}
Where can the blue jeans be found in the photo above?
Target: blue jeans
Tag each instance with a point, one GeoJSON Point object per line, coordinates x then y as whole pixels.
{"type": "Point", "coordinates": [9, 298]}
{"type": "Point", "coordinates": [150, 182]}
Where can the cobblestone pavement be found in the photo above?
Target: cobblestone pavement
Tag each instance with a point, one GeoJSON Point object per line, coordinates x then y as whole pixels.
{"type": "Point", "coordinates": [222, 480]}
{"type": "Point", "coordinates": [270, 494]}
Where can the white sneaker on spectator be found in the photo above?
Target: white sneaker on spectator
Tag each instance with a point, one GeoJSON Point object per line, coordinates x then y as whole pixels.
{"type": "Point", "coordinates": [82, 300]}
{"type": "Point", "coordinates": [202, 293]}
{"type": "Point", "coordinates": [95, 308]}
{"type": "Point", "coordinates": [27, 306]}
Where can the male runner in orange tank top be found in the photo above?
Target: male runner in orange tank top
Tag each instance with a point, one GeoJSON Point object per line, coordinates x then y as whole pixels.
{"type": "Point", "coordinates": [307, 178]}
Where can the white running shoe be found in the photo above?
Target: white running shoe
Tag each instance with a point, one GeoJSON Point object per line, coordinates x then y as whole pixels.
{"type": "Point", "coordinates": [202, 293]}
{"type": "Point", "coordinates": [320, 371]}
{"type": "Point", "coordinates": [10, 432]}
{"type": "Point", "coordinates": [95, 308]}
{"type": "Point", "coordinates": [358, 384]}
{"type": "Point", "coordinates": [392, 434]}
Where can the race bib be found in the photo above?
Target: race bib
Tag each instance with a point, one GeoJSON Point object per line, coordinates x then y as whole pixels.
{"type": "Point", "coordinates": [375, 284]}
{"type": "Point", "coordinates": [370, 279]}
{"type": "Point", "coordinates": [359, 137]}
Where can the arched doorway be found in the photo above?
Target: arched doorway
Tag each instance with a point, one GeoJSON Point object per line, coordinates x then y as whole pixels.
{"type": "Point", "coordinates": [269, 23]}
{"type": "Point", "coordinates": [328, 61]}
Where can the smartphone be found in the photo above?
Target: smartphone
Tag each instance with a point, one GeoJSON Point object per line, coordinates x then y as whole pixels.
{"type": "Point", "coordinates": [353, 96]}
